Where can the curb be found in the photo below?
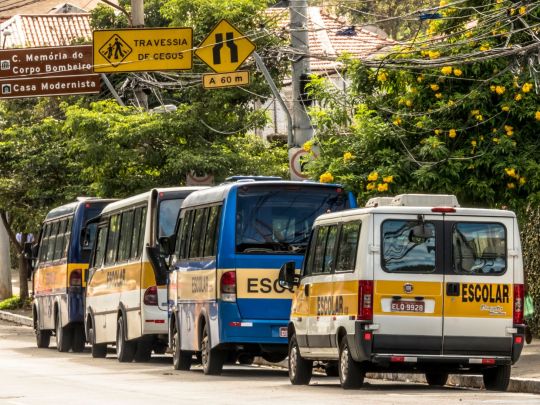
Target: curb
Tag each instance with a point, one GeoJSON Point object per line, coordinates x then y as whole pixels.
{"type": "Point", "coordinates": [15, 318]}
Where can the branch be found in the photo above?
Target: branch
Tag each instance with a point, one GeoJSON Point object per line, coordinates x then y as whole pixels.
{"type": "Point", "coordinates": [121, 9]}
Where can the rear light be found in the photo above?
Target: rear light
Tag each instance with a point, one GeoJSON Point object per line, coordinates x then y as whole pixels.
{"type": "Point", "coordinates": [228, 286]}
{"type": "Point", "coordinates": [365, 300]}
{"type": "Point", "coordinates": [518, 304]}
{"type": "Point", "coordinates": [397, 359]}
{"type": "Point", "coordinates": [488, 361]}
{"type": "Point", "coordinates": [151, 296]}
{"type": "Point", "coordinates": [367, 336]}
{"type": "Point", "coordinates": [443, 209]}
{"type": "Point", "coordinates": [75, 278]}
{"type": "Point", "coordinates": [518, 340]}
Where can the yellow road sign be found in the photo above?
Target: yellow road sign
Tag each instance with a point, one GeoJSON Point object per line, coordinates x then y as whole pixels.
{"type": "Point", "coordinates": [225, 48]}
{"type": "Point", "coordinates": [218, 80]}
{"type": "Point", "coordinates": [143, 49]}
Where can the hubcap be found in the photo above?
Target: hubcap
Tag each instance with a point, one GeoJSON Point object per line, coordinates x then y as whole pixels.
{"type": "Point", "coordinates": [204, 352]}
{"type": "Point", "coordinates": [293, 358]}
{"type": "Point", "coordinates": [119, 340]}
{"type": "Point", "coordinates": [344, 363]}
{"type": "Point", "coordinates": [174, 346]}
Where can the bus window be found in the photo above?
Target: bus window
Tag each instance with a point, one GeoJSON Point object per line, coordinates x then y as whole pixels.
{"type": "Point", "coordinates": [125, 236]}
{"type": "Point", "coordinates": [210, 241]}
{"type": "Point", "coordinates": [112, 240]}
{"type": "Point", "coordinates": [141, 233]}
{"type": "Point", "coordinates": [44, 246]}
{"type": "Point", "coordinates": [197, 236]}
{"type": "Point", "coordinates": [100, 247]}
{"type": "Point", "coordinates": [168, 213]}
{"type": "Point", "coordinates": [65, 246]}
{"type": "Point", "coordinates": [60, 240]}
{"type": "Point", "coordinates": [137, 219]}
{"type": "Point", "coordinates": [52, 241]}
{"type": "Point", "coordinates": [186, 230]}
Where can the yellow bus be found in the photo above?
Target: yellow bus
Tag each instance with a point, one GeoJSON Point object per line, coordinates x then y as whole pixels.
{"type": "Point", "coordinates": [58, 276]}
{"type": "Point", "coordinates": [126, 298]}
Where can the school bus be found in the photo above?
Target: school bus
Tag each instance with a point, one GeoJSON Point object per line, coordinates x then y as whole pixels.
{"type": "Point", "coordinates": [58, 277]}
{"type": "Point", "coordinates": [126, 302]}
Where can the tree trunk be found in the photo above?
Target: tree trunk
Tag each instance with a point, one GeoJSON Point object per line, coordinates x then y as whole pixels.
{"type": "Point", "coordinates": [5, 264]}
{"type": "Point", "coordinates": [23, 271]}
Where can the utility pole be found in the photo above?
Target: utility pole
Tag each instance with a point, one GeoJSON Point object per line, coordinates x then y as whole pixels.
{"type": "Point", "coordinates": [137, 21]}
{"type": "Point", "coordinates": [302, 129]}
{"type": "Point", "coordinates": [5, 264]}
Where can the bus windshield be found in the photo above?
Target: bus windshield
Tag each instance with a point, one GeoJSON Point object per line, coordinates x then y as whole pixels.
{"type": "Point", "coordinates": [278, 219]}
{"type": "Point", "coordinates": [168, 213]}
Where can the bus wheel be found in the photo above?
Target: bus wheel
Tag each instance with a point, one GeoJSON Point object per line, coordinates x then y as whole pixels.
{"type": "Point", "coordinates": [300, 369]}
{"type": "Point", "coordinates": [212, 359]}
{"type": "Point", "coordinates": [351, 374]}
{"type": "Point", "coordinates": [64, 336]}
{"type": "Point", "coordinates": [125, 349]}
{"type": "Point", "coordinates": [143, 353]}
{"type": "Point", "coordinates": [181, 359]}
{"type": "Point", "coordinates": [99, 351]}
{"type": "Point", "coordinates": [79, 339]}
{"type": "Point", "coordinates": [497, 378]}
{"type": "Point", "coordinates": [43, 337]}
{"type": "Point", "coordinates": [436, 379]}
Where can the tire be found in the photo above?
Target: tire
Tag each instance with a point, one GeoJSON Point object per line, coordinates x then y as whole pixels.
{"type": "Point", "coordinates": [79, 339]}
{"type": "Point", "coordinates": [64, 336]}
{"type": "Point", "coordinates": [497, 378]}
{"type": "Point", "coordinates": [351, 374]}
{"type": "Point", "coordinates": [181, 359]}
{"type": "Point", "coordinates": [99, 351]}
{"type": "Point", "coordinates": [143, 352]}
{"type": "Point", "coordinates": [300, 369]}
{"type": "Point", "coordinates": [436, 379]}
{"type": "Point", "coordinates": [125, 349]}
{"type": "Point", "coordinates": [332, 369]}
{"type": "Point", "coordinates": [212, 359]}
{"type": "Point", "coordinates": [43, 337]}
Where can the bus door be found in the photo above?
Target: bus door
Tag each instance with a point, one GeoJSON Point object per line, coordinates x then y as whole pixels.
{"type": "Point", "coordinates": [408, 284]}
{"type": "Point", "coordinates": [479, 269]}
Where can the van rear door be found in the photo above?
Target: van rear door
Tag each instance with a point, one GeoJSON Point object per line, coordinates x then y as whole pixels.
{"type": "Point", "coordinates": [408, 283]}
{"type": "Point", "coordinates": [479, 269]}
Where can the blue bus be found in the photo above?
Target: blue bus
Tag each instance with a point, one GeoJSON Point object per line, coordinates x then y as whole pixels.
{"type": "Point", "coordinates": [225, 302]}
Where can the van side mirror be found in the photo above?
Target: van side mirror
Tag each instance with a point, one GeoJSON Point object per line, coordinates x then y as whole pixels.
{"type": "Point", "coordinates": [30, 254]}
{"type": "Point", "coordinates": [166, 244]}
{"type": "Point", "coordinates": [287, 276]}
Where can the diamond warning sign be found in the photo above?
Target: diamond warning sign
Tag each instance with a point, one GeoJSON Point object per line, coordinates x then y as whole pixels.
{"type": "Point", "coordinates": [115, 50]}
{"type": "Point", "coordinates": [143, 49]}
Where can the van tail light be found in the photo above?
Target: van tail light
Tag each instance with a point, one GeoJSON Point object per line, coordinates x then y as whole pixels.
{"type": "Point", "coordinates": [151, 296]}
{"type": "Point", "coordinates": [518, 304]}
{"type": "Point", "coordinates": [228, 286]}
{"type": "Point", "coordinates": [365, 300]}
{"type": "Point", "coordinates": [75, 278]}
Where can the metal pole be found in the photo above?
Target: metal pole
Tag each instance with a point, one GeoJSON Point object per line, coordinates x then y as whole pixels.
{"type": "Point", "coordinates": [112, 89]}
{"type": "Point", "coordinates": [275, 91]}
{"type": "Point", "coordinates": [137, 19]}
{"type": "Point", "coordinates": [302, 129]}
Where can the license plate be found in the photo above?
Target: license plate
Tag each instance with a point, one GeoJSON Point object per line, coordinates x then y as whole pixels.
{"type": "Point", "coordinates": [407, 306]}
{"type": "Point", "coordinates": [283, 332]}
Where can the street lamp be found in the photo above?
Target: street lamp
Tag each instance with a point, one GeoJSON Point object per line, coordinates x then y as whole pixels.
{"type": "Point", "coordinates": [5, 34]}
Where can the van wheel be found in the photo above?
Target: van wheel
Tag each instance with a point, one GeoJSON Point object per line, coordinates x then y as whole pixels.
{"type": "Point", "coordinates": [212, 359]}
{"type": "Point", "coordinates": [143, 352]}
{"type": "Point", "coordinates": [497, 378]}
{"type": "Point", "coordinates": [64, 336]}
{"type": "Point", "coordinates": [300, 369]}
{"type": "Point", "coordinates": [99, 351]}
{"type": "Point", "coordinates": [43, 337]}
{"type": "Point", "coordinates": [181, 359]}
{"type": "Point", "coordinates": [125, 349]}
{"type": "Point", "coordinates": [436, 379]}
{"type": "Point", "coordinates": [351, 374]}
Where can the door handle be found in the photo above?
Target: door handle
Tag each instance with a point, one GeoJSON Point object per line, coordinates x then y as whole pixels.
{"type": "Point", "coordinates": [306, 290]}
{"type": "Point", "coordinates": [452, 289]}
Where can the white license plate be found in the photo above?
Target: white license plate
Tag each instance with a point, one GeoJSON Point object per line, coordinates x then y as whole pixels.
{"type": "Point", "coordinates": [283, 332]}
{"type": "Point", "coordinates": [407, 306]}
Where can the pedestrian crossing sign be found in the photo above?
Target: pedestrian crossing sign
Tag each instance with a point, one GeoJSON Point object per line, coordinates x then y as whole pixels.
{"type": "Point", "coordinates": [142, 49]}
{"type": "Point", "coordinates": [225, 48]}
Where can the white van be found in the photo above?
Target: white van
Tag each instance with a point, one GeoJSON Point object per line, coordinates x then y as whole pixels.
{"type": "Point", "coordinates": [414, 284]}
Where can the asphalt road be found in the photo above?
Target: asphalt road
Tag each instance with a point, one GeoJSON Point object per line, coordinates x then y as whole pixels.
{"type": "Point", "coordinates": [44, 376]}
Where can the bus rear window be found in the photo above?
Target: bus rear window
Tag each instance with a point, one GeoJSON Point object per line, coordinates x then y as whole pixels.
{"type": "Point", "coordinates": [278, 219]}
{"type": "Point", "coordinates": [168, 214]}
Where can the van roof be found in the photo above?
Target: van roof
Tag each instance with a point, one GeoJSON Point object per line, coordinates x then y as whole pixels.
{"type": "Point", "coordinates": [71, 207]}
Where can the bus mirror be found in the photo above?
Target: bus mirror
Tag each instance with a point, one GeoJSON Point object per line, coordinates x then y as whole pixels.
{"type": "Point", "coordinates": [287, 276]}
{"type": "Point", "coordinates": [166, 244]}
{"type": "Point", "coordinates": [30, 253]}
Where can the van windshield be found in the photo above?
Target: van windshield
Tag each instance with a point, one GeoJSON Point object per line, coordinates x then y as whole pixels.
{"type": "Point", "coordinates": [278, 219]}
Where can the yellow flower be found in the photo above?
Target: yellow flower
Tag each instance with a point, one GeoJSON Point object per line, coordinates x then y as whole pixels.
{"type": "Point", "coordinates": [496, 140]}
{"type": "Point", "coordinates": [475, 112]}
{"type": "Point", "coordinates": [373, 176]}
{"type": "Point", "coordinates": [420, 79]}
{"type": "Point", "coordinates": [447, 70]}
{"type": "Point", "coordinates": [457, 72]}
{"type": "Point", "coordinates": [382, 76]}
{"type": "Point", "coordinates": [443, 3]}
{"type": "Point", "coordinates": [510, 186]}
{"type": "Point", "coordinates": [537, 115]}
{"type": "Point", "coordinates": [388, 179]}
{"type": "Point", "coordinates": [526, 87]}
{"type": "Point", "coordinates": [397, 121]}
{"type": "Point", "coordinates": [382, 187]}
{"type": "Point", "coordinates": [473, 143]}
{"type": "Point", "coordinates": [512, 11]}
{"type": "Point", "coordinates": [347, 156]}
{"type": "Point", "coordinates": [479, 117]}
{"type": "Point", "coordinates": [485, 47]}
{"type": "Point", "coordinates": [481, 137]}
{"type": "Point", "coordinates": [434, 86]}
{"type": "Point", "coordinates": [500, 90]}
{"type": "Point", "coordinates": [438, 95]}
{"type": "Point", "coordinates": [408, 103]}
{"type": "Point", "coordinates": [508, 128]}
{"type": "Point", "coordinates": [326, 178]}
{"type": "Point", "coordinates": [522, 10]}
{"type": "Point", "coordinates": [434, 54]}
{"type": "Point", "coordinates": [510, 171]}
{"type": "Point", "coordinates": [505, 108]}
{"type": "Point", "coordinates": [308, 146]}
{"type": "Point", "coordinates": [518, 97]}
{"type": "Point", "coordinates": [522, 181]}
{"type": "Point", "coordinates": [450, 103]}
{"type": "Point", "coordinates": [492, 87]}
{"type": "Point", "coordinates": [370, 186]}
{"type": "Point", "coordinates": [452, 133]}
{"type": "Point", "coordinates": [437, 132]}
{"type": "Point", "coordinates": [509, 133]}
